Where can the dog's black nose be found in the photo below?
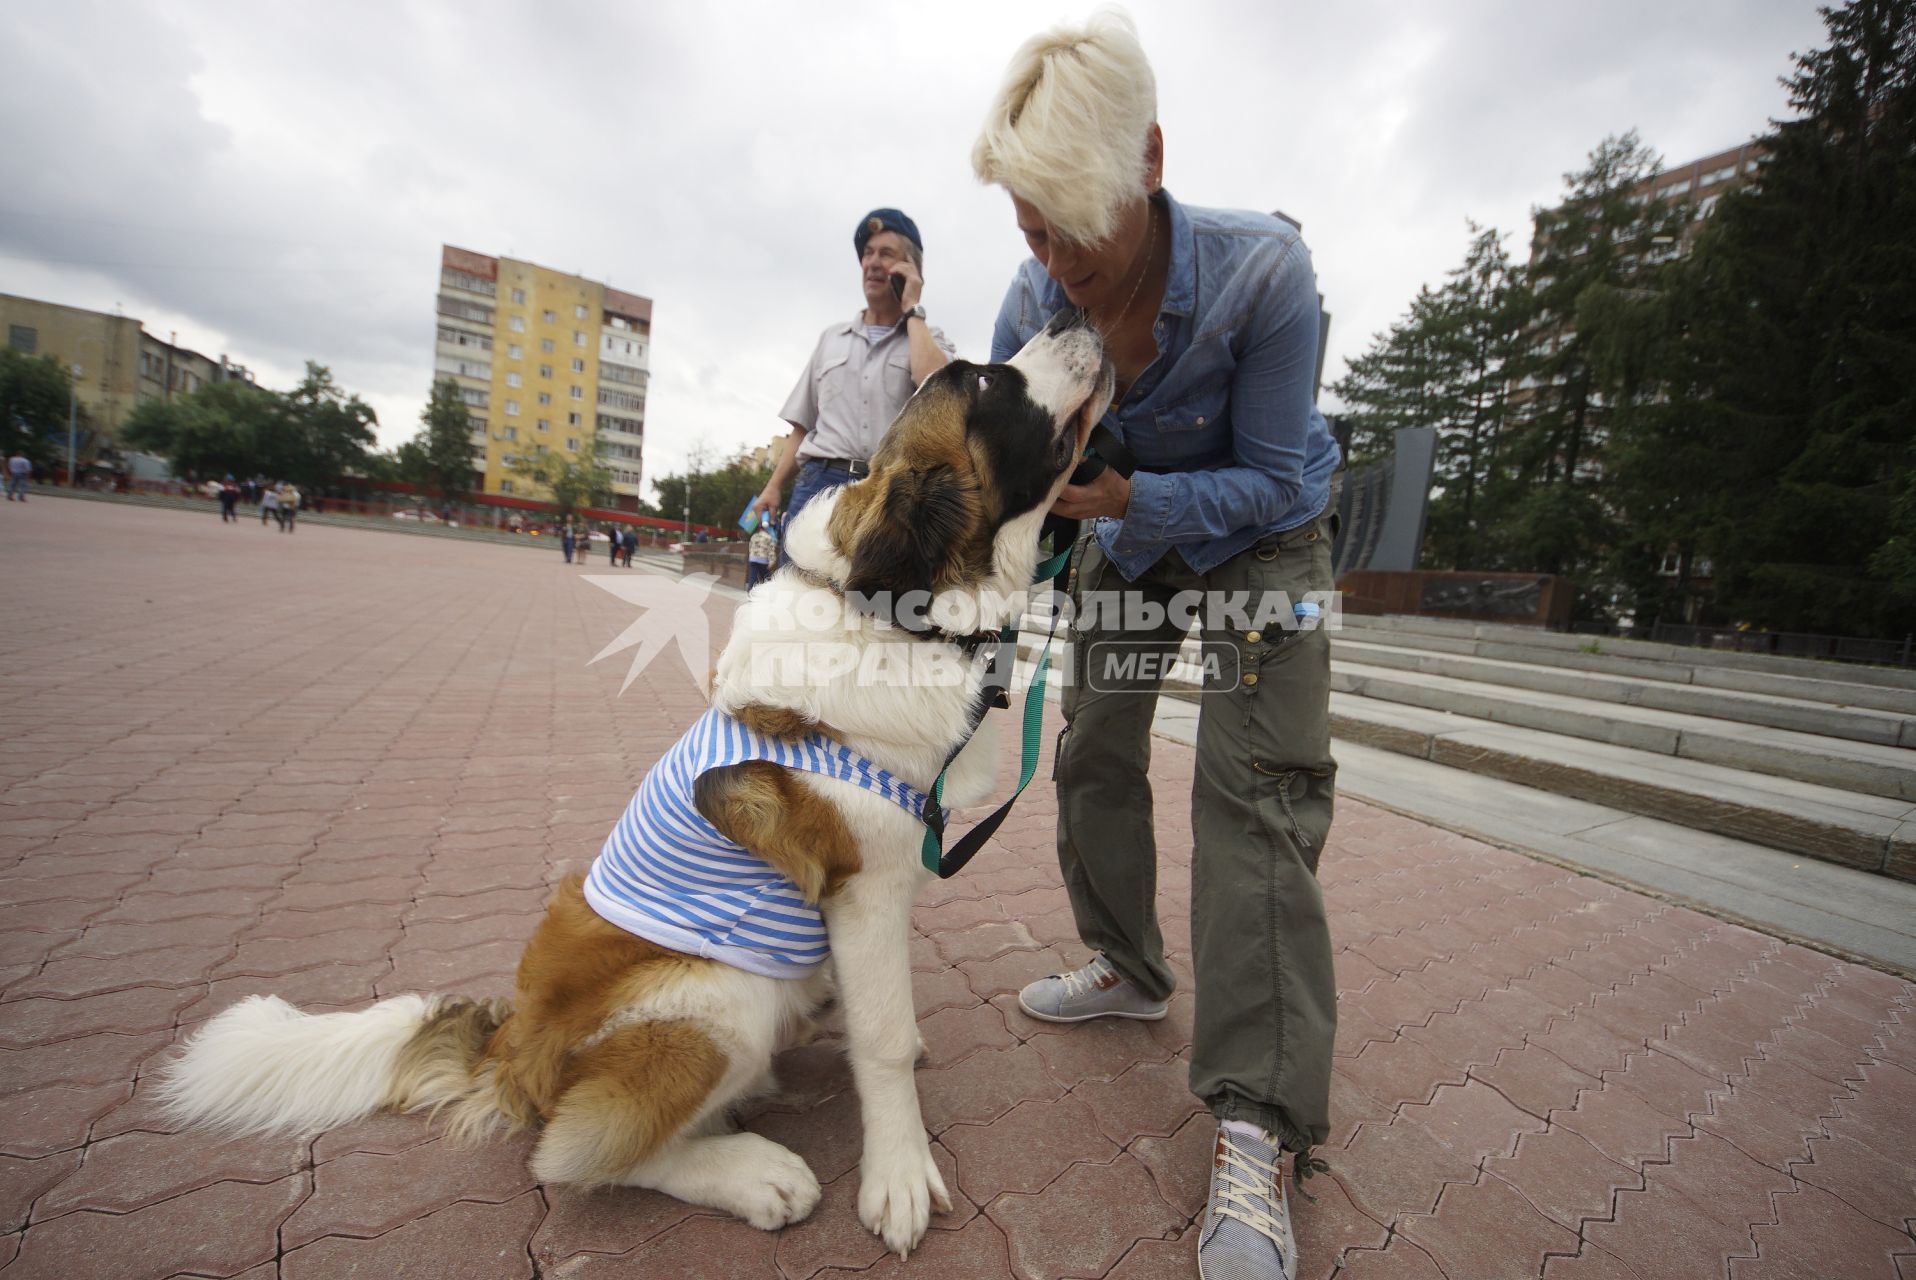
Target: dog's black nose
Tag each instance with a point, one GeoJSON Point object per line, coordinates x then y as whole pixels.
{"type": "Point", "coordinates": [1068, 319]}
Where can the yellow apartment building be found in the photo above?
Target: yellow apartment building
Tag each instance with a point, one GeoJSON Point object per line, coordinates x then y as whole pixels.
{"type": "Point", "coordinates": [546, 362]}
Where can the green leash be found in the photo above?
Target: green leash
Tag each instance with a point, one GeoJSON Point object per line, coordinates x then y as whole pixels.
{"type": "Point", "coordinates": [933, 852]}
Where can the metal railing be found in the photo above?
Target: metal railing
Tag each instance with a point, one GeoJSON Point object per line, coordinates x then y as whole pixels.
{"type": "Point", "coordinates": [1793, 644]}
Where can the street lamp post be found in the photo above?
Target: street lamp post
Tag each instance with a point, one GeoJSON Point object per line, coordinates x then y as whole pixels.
{"type": "Point", "coordinates": [73, 427]}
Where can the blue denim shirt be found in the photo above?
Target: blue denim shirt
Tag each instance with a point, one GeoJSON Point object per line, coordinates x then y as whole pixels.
{"type": "Point", "coordinates": [1229, 445]}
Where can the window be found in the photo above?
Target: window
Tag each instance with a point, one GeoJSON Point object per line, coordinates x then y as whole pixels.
{"type": "Point", "coordinates": [516, 351]}
{"type": "Point", "coordinates": [505, 486]}
{"type": "Point", "coordinates": [578, 337]}
{"type": "Point", "coordinates": [512, 408]}
{"type": "Point", "coordinates": [467, 281]}
{"type": "Point", "coordinates": [1715, 176]}
{"type": "Point", "coordinates": [545, 397]}
{"type": "Point", "coordinates": [1708, 206]}
{"type": "Point", "coordinates": [23, 338]}
{"type": "Point", "coordinates": [513, 379]}
{"type": "Point", "coordinates": [578, 393]}
{"type": "Point", "coordinates": [512, 433]}
{"type": "Point", "coordinates": [578, 312]}
{"type": "Point", "coordinates": [550, 317]}
{"type": "Point", "coordinates": [545, 371]}
{"type": "Point", "coordinates": [517, 324]}
{"type": "Point", "coordinates": [1676, 189]}
{"type": "Point", "coordinates": [519, 297]}
{"type": "Point", "coordinates": [545, 345]}
{"type": "Point", "coordinates": [545, 424]}
{"type": "Point", "coordinates": [461, 338]}
{"type": "Point", "coordinates": [572, 444]}
{"type": "Point", "coordinates": [578, 365]}
{"type": "Point", "coordinates": [574, 420]}
{"type": "Point", "coordinates": [475, 398]}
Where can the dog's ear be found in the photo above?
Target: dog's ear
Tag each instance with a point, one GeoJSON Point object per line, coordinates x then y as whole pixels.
{"type": "Point", "coordinates": [909, 535]}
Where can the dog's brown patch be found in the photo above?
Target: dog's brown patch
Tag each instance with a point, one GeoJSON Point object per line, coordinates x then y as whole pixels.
{"type": "Point", "coordinates": [578, 970]}
{"type": "Point", "coordinates": [775, 722]}
{"type": "Point", "coordinates": [762, 807]}
{"type": "Point", "coordinates": [435, 1067]}
{"type": "Point", "coordinates": [626, 1096]}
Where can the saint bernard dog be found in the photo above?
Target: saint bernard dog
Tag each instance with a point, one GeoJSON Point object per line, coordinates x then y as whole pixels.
{"type": "Point", "coordinates": [626, 1044]}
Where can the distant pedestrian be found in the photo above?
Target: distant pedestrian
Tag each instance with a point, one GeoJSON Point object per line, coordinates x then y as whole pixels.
{"type": "Point", "coordinates": [630, 540]}
{"type": "Point", "coordinates": [568, 541]}
{"type": "Point", "coordinates": [19, 471]}
{"type": "Point", "coordinates": [229, 499]}
{"type": "Point", "coordinates": [288, 506]}
{"type": "Point", "coordinates": [269, 503]}
{"type": "Point", "coordinates": [759, 553]}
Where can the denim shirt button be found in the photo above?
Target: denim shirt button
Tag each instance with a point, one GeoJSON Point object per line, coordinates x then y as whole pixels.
{"type": "Point", "coordinates": [1200, 420]}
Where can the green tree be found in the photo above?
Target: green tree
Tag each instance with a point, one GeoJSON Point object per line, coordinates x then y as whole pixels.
{"type": "Point", "coordinates": [571, 480]}
{"type": "Point", "coordinates": [1769, 383]}
{"type": "Point", "coordinates": [223, 427]}
{"type": "Point", "coordinates": [331, 431]}
{"type": "Point", "coordinates": [438, 459]}
{"type": "Point", "coordinates": [1607, 234]}
{"type": "Point", "coordinates": [718, 496]}
{"type": "Point", "coordinates": [34, 397]}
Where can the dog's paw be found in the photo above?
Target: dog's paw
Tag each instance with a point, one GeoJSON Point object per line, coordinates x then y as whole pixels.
{"type": "Point", "coordinates": [779, 1190]}
{"type": "Point", "coordinates": [898, 1188]}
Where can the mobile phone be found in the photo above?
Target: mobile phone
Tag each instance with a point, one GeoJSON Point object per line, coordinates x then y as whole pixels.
{"type": "Point", "coordinates": [898, 286]}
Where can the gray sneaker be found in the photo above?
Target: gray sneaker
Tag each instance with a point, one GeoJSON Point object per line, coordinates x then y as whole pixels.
{"type": "Point", "coordinates": [1095, 991]}
{"type": "Point", "coordinates": [1247, 1222]}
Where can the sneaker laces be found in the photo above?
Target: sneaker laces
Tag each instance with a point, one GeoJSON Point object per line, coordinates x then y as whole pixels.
{"type": "Point", "coordinates": [1247, 1189]}
{"type": "Point", "coordinates": [1082, 981]}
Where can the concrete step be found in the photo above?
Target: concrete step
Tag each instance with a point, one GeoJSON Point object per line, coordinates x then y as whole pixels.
{"type": "Point", "coordinates": [1408, 627]}
{"type": "Point", "coordinates": [1870, 833]}
{"type": "Point", "coordinates": [1873, 769]}
{"type": "Point", "coordinates": [1769, 708]}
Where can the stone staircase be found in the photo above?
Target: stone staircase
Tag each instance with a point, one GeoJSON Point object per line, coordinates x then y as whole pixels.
{"type": "Point", "coordinates": [1810, 758]}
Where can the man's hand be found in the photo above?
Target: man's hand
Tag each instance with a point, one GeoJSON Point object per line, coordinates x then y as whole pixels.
{"type": "Point", "coordinates": [914, 286]}
{"type": "Point", "coordinates": [1108, 495]}
{"type": "Point", "coordinates": [766, 502]}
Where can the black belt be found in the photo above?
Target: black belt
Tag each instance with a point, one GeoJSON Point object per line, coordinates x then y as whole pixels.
{"type": "Point", "coordinates": [855, 466]}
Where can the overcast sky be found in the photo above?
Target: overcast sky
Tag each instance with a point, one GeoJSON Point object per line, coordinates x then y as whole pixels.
{"type": "Point", "coordinates": [274, 181]}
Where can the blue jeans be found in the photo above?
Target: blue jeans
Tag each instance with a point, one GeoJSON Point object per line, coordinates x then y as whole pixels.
{"type": "Point", "coordinates": [17, 485]}
{"type": "Point", "coordinates": [814, 478]}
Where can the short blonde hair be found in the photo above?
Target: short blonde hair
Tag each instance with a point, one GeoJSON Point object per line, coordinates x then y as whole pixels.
{"type": "Point", "coordinates": [1068, 128]}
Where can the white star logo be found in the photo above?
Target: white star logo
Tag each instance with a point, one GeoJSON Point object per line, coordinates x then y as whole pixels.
{"type": "Point", "coordinates": [674, 614]}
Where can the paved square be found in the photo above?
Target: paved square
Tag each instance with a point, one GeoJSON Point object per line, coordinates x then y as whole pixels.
{"type": "Point", "coordinates": [343, 764]}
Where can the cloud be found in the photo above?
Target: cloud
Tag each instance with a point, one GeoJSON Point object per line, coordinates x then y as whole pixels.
{"type": "Point", "coordinates": [274, 182]}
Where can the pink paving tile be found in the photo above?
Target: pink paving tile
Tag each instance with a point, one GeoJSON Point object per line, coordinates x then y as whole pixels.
{"type": "Point", "coordinates": [22, 1182]}
{"type": "Point", "coordinates": [24, 1023]}
{"type": "Point", "coordinates": [1816, 1234]}
{"type": "Point", "coordinates": [1563, 1177]}
{"type": "Point", "coordinates": [1149, 1098]}
{"type": "Point", "coordinates": [1884, 1187]}
{"type": "Point", "coordinates": [1159, 1260]}
{"type": "Point", "coordinates": [1399, 1071]}
{"type": "Point", "coordinates": [216, 1231]}
{"type": "Point", "coordinates": [1400, 1260]}
{"type": "Point", "coordinates": [1113, 1206]}
{"type": "Point", "coordinates": [1621, 1125]}
{"type": "Point", "coordinates": [56, 1117]}
{"type": "Point", "coordinates": [1473, 1119]}
{"type": "Point", "coordinates": [1180, 1165]}
{"type": "Point", "coordinates": [1097, 1050]}
{"type": "Point", "coordinates": [1489, 1232]}
{"type": "Point", "coordinates": [135, 1169]}
{"type": "Point", "coordinates": [603, 1220]}
{"type": "Point", "coordinates": [1534, 1079]}
{"type": "Point", "coordinates": [976, 1251]}
{"type": "Point", "coordinates": [460, 1242]}
{"type": "Point", "coordinates": [828, 1137]}
{"type": "Point", "coordinates": [710, 1248]}
{"type": "Point", "coordinates": [950, 1035]}
{"type": "Point", "coordinates": [984, 1087]}
{"type": "Point", "coordinates": [96, 1059]}
{"type": "Point", "coordinates": [364, 1194]}
{"type": "Point", "coordinates": [1028, 1147]}
{"type": "Point", "coordinates": [1398, 1168]}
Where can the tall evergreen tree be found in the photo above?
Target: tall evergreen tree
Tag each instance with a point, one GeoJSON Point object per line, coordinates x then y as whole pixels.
{"type": "Point", "coordinates": [438, 459]}
{"type": "Point", "coordinates": [1772, 379]}
{"type": "Point", "coordinates": [1607, 234]}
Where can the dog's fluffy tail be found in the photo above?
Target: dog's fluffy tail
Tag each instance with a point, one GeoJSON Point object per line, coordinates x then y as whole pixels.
{"type": "Point", "coordinates": [263, 1066]}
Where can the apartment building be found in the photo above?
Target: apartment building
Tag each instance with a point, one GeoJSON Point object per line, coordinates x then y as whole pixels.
{"type": "Point", "coordinates": [546, 362]}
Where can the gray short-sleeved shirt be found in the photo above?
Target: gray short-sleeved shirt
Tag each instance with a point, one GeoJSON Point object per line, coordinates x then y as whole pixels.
{"type": "Point", "coordinates": [853, 388]}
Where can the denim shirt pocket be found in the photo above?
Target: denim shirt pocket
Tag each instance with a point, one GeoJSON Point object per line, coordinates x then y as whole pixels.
{"type": "Point", "coordinates": [1199, 409]}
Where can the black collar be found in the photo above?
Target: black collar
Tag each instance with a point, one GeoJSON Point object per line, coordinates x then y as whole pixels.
{"type": "Point", "coordinates": [970, 643]}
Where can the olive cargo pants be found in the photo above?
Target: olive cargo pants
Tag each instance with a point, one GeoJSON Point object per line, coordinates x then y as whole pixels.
{"type": "Point", "coordinates": [1260, 811]}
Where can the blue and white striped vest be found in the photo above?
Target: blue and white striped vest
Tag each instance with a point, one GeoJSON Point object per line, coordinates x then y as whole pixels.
{"type": "Point", "coordinates": [669, 876]}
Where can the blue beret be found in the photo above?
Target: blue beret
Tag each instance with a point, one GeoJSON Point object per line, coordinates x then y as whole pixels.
{"type": "Point", "coordinates": [885, 220]}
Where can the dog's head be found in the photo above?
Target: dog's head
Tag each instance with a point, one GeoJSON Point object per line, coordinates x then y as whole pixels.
{"type": "Point", "coordinates": [973, 463]}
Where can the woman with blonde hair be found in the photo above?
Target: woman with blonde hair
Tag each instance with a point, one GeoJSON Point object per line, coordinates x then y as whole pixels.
{"type": "Point", "coordinates": [1218, 482]}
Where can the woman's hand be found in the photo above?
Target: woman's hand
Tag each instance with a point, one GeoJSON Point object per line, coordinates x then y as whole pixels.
{"type": "Point", "coordinates": [1107, 495]}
